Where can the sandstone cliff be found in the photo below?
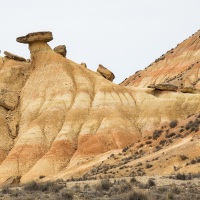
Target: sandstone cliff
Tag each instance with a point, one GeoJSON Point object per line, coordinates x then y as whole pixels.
{"type": "Point", "coordinates": [56, 114]}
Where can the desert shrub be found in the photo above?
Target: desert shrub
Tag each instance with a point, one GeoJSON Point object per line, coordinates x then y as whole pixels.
{"type": "Point", "coordinates": [187, 127]}
{"type": "Point", "coordinates": [115, 189]}
{"type": "Point", "coordinates": [148, 142]}
{"type": "Point", "coordinates": [175, 190]}
{"type": "Point", "coordinates": [162, 142]}
{"type": "Point", "coordinates": [156, 134]}
{"type": "Point", "coordinates": [158, 148]}
{"type": "Point", "coordinates": [67, 195]}
{"type": "Point", "coordinates": [195, 175]}
{"type": "Point", "coordinates": [105, 184]}
{"type": "Point", "coordinates": [178, 135]}
{"type": "Point", "coordinates": [192, 126]}
{"type": "Point", "coordinates": [41, 177]}
{"type": "Point", "coordinates": [170, 196]}
{"type": "Point", "coordinates": [133, 180]}
{"type": "Point", "coordinates": [141, 145]}
{"type": "Point", "coordinates": [180, 176]}
{"type": "Point", "coordinates": [198, 159]}
{"type": "Point", "coordinates": [124, 149]}
{"type": "Point", "coordinates": [139, 164]}
{"type": "Point", "coordinates": [183, 157]}
{"type": "Point", "coordinates": [124, 187]}
{"type": "Point", "coordinates": [151, 183]}
{"type": "Point", "coordinates": [6, 190]}
{"type": "Point", "coordinates": [149, 165]}
{"type": "Point", "coordinates": [181, 130]}
{"type": "Point", "coordinates": [15, 193]}
{"type": "Point", "coordinates": [173, 123]}
{"type": "Point", "coordinates": [136, 196]}
{"type": "Point", "coordinates": [32, 186]}
{"type": "Point", "coordinates": [169, 135]}
{"type": "Point", "coordinates": [46, 186]}
{"type": "Point", "coordinates": [193, 161]}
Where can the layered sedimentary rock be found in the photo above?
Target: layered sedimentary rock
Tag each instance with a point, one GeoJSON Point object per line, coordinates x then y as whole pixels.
{"type": "Point", "coordinates": [13, 56]}
{"type": "Point", "coordinates": [64, 114]}
{"type": "Point", "coordinates": [37, 36]}
{"type": "Point", "coordinates": [164, 87]}
{"type": "Point", "coordinates": [13, 76]}
{"type": "Point", "coordinates": [179, 67]}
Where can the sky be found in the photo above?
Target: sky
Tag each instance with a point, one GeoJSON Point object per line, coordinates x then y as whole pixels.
{"type": "Point", "coordinates": [123, 35]}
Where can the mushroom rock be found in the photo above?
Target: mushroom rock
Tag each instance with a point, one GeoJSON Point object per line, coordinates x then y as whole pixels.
{"type": "Point", "coordinates": [13, 56]}
{"type": "Point", "coordinates": [107, 74]}
{"type": "Point", "coordinates": [36, 36]}
{"type": "Point", "coordinates": [61, 49]}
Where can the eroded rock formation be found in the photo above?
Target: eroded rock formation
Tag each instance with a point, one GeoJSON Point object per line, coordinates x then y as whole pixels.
{"type": "Point", "coordinates": [57, 114]}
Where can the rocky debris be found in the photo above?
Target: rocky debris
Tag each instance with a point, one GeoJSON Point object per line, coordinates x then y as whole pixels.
{"type": "Point", "coordinates": [8, 99]}
{"type": "Point", "coordinates": [36, 36]}
{"type": "Point", "coordinates": [107, 74]}
{"type": "Point", "coordinates": [13, 56]}
{"type": "Point", "coordinates": [164, 87]}
{"type": "Point", "coordinates": [83, 65]}
{"type": "Point", "coordinates": [151, 86]}
{"type": "Point", "coordinates": [13, 180]}
{"type": "Point", "coordinates": [61, 49]}
{"type": "Point", "coordinates": [74, 115]}
{"type": "Point", "coordinates": [190, 90]}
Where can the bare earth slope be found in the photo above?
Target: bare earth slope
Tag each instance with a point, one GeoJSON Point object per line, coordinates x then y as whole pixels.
{"type": "Point", "coordinates": [59, 114]}
{"type": "Point", "coordinates": [179, 66]}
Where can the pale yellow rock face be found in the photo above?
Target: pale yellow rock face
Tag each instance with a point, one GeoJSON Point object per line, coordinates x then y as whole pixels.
{"type": "Point", "coordinates": [66, 114]}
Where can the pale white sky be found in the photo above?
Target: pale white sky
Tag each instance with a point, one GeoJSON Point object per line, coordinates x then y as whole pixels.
{"type": "Point", "coordinates": [123, 35]}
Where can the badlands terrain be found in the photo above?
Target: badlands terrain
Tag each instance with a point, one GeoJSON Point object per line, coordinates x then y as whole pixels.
{"type": "Point", "coordinates": [61, 121]}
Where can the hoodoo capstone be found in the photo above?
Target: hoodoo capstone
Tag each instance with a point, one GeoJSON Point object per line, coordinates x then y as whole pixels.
{"type": "Point", "coordinates": [36, 36]}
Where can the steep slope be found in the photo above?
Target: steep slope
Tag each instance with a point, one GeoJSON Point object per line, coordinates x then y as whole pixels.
{"type": "Point", "coordinates": [67, 114]}
{"type": "Point", "coordinates": [13, 75]}
{"type": "Point", "coordinates": [178, 67]}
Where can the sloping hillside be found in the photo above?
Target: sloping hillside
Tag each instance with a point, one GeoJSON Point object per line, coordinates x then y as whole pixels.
{"type": "Point", "coordinates": [178, 67]}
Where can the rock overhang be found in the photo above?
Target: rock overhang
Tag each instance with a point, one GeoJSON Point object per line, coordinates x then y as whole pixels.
{"type": "Point", "coordinates": [43, 36]}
